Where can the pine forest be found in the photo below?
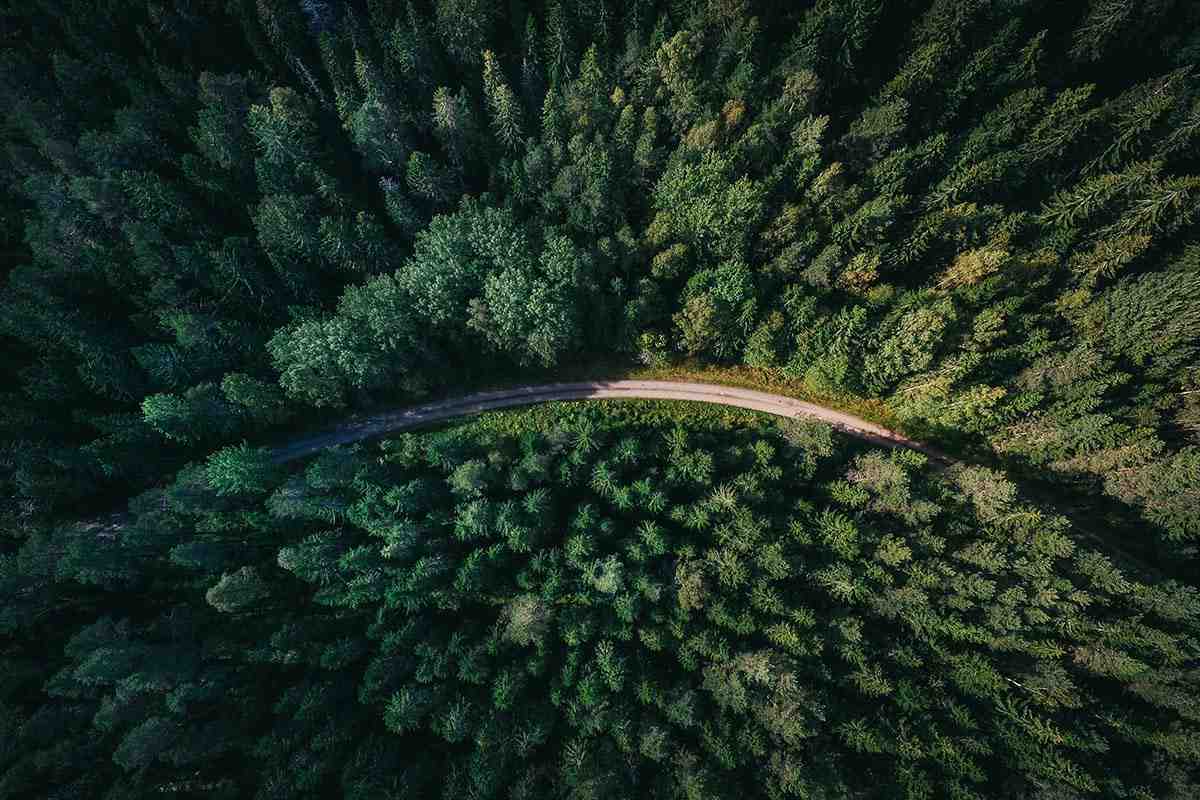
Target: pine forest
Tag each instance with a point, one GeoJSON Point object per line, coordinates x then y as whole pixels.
{"type": "Point", "coordinates": [227, 225]}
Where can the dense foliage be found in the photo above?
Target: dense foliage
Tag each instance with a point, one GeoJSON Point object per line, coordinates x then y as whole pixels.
{"type": "Point", "coordinates": [223, 220]}
{"type": "Point", "coordinates": [982, 212]}
{"type": "Point", "coordinates": [592, 605]}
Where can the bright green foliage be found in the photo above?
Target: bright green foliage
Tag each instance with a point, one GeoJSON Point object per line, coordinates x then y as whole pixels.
{"type": "Point", "coordinates": [1155, 319]}
{"type": "Point", "coordinates": [502, 103]}
{"type": "Point", "coordinates": [240, 470]}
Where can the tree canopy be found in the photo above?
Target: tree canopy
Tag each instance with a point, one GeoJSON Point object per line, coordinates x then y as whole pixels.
{"type": "Point", "coordinates": [621, 602]}
{"type": "Point", "coordinates": [225, 221]}
{"type": "Point", "coordinates": [936, 206]}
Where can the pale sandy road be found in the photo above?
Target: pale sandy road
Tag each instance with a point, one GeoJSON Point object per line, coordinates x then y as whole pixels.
{"type": "Point", "coordinates": [385, 422]}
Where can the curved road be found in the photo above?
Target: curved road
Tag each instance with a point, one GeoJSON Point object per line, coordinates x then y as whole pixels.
{"type": "Point", "coordinates": [779, 405]}
{"type": "Point", "coordinates": [358, 428]}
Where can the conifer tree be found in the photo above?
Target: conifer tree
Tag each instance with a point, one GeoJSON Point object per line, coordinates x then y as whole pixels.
{"type": "Point", "coordinates": [502, 103]}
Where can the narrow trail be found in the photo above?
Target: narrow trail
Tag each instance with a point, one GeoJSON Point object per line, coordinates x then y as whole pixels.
{"type": "Point", "coordinates": [373, 425]}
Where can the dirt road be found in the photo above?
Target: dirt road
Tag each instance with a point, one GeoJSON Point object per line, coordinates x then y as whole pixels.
{"type": "Point", "coordinates": [358, 428]}
{"type": "Point", "coordinates": [354, 430]}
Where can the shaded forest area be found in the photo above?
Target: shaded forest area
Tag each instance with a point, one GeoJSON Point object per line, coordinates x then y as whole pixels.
{"type": "Point", "coordinates": [220, 216]}
{"type": "Point", "coordinates": [604, 602]}
{"type": "Point", "coordinates": [223, 220]}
